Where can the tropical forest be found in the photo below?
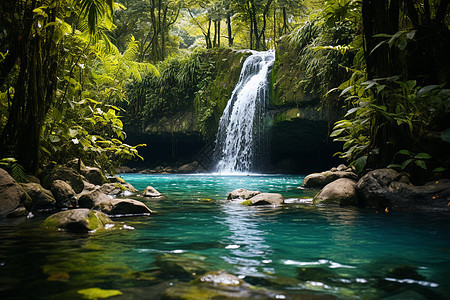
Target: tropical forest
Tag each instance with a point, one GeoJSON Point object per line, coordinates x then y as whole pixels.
{"type": "Point", "coordinates": [224, 149]}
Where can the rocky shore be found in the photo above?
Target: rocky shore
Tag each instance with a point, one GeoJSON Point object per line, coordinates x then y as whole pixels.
{"type": "Point", "coordinates": [76, 201]}
{"type": "Point", "coordinates": [384, 189]}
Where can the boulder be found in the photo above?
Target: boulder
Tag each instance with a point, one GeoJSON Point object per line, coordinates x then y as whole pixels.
{"type": "Point", "coordinates": [64, 194]}
{"type": "Point", "coordinates": [41, 199]}
{"type": "Point", "coordinates": [94, 175]}
{"type": "Point", "coordinates": [11, 193]}
{"type": "Point", "coordinates": [339, 192]}
{"type": "Point", "coordinates": [265, 199]}
{"type": "Point", "coordinates": [319, 180]}
{"type": "Point", "coordinates": [91, 199]}
{"type": "Point", "coordinates": [100, 201]}
{"type": "Point", "coordinates": [188, 168]}
{"type": "Point", "coordinates": [242, 194]}
{"type": "Point", "coordinates": [80, 220]}
{"type": "Point", "coordinates": [122, 207]}
{"type": "Point", "coordinates": [151, 192]}
{"type": "Point", "coordinates": [386, 188]}
{"type": "Point", "coordinates": [117, 189]}
{"type": "Point", "coordinates": [74, 179]}
{"type": "Point", "coordinates": [89, 187]}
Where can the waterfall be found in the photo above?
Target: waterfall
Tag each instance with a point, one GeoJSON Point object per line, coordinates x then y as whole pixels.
{"type": "Point", "coordinates": [241, 140]}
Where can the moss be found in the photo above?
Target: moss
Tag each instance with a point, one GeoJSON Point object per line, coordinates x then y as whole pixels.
{"type": "Point", "coordinates": [95, 293]}
{"type": "Point", "coordinates": [247, 203]}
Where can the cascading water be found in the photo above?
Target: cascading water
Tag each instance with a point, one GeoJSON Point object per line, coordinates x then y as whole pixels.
{"type": "Point", "coordinates": [241, 140]}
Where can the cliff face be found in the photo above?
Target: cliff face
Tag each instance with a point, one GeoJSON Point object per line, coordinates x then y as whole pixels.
{"type": "Point", "coordinates": [301, 126]}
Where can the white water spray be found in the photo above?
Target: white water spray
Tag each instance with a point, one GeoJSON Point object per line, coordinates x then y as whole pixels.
{"type": "Point", "coordinates": [240, 140]}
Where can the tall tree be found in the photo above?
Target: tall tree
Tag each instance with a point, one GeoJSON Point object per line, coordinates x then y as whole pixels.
{"type": "Point", "coordinates": [33, 43]}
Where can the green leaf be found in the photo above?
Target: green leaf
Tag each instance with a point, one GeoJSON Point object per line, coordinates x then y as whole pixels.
{"type": "Point", "coordinates": [394, 166]}
{"type": "Point", "coordinates": [406, 163]}
{"type": "Point", "coordinates": [54, 138]}
{"type": "Point", "coordinates": [445, 135]}
{"type": "Point", "coordinates": [422, 155]}
{"type": "Point", "coordinates": [439, 169]}
{"type": "Point", "coordinates": [405, 152]}
{"type": "Point", "coordinates": [427, 89]}
{"type": "Point", "coordinates": [421, 164]}
{"type": "Point", "coordinates": [360, 163]}
{"type": "Point", "coordinates": [352, 110]}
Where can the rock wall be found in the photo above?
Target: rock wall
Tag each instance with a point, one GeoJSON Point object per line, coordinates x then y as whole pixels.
{"type": "Point", "coordinates": [301, 126]}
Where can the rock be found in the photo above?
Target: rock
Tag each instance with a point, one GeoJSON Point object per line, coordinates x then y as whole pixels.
{"type": "Point", "coordinates": [94, 175]}
{"type": "Point", "coordinates": [18, 212]}
{"type": "Point", "coordinates": [151, 192]}
{"type": "Point", "coordinates": [373, 188]}
{"type": "Point", "coordinates": [89, 187]}
{"type": "Point", "coordinates": [122, 207]}
{"type": "Point", "coordinates": [90, 200]}
{"type": "Point", "coordinates": [265, 199]}
{"type": "Point", "coordinates": [184, 265]}
{"type": "Point", "coordinates": [220, 285]}
{"type": "Point", "coordinates": [319, 180]}
{"type": "Point", "coordinates": [219, 278]}
{"type": "Point", "coordinates": [339, 192]}
{"type": "Point", "coordinates": [77, 220]}
{"type": "Point", "coordinates": [41, 199]}
{"type": "Point", "coordinates": [242, 194]}
{"type": "Point", "coordinates": [188, 168]}
{"type": "Point", "coordinates": [74, 179]}
{"type": "Point", "coordinates": [117, 189]}
{"type": "Point", "coordinates": [386, 188]}
{"type": "Point", "coordinates": [32, 178]}
{"type": "Point", "coordinates": [11, 193]}
{"type": "Point", "coordinates": [100, 201]}
{"type": "Point", "coordinates": [124, 169]}
{"type": "Point", "coordinates": [64, 194]}
{"type": "Point", "coordinates": [341, 167]}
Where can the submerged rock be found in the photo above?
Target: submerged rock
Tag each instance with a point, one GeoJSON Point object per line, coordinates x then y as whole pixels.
{"type": "Point", "coordinates": [184, 265]}
{"type": "Point", "coordinates": [265, 199]}
{"type": "Point", "coordinates": [77, 220]}
{"type": "Point", "coordinates": [242, 194]}
{"type": "Point", "coordinates": [219, 278]}
{"type": "Point", "coordinates": [11, 194]}
{"type": "Point", "coordinates": [219, 285]}
{"type": "Point", "coordinates": [339, 192]}
{"type": "Point", "coordinates": [151, 192]}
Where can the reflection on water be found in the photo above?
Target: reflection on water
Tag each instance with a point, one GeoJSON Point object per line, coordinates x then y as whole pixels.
{"type": "Point", "coordinates": [246, 239]}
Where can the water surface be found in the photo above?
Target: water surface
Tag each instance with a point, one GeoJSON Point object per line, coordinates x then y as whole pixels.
{"type": "Point", "coordinates": [296, 251]}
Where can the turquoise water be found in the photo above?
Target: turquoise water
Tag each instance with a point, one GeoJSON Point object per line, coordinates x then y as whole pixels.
{"type": "Point", "coordinates": [297, 251]}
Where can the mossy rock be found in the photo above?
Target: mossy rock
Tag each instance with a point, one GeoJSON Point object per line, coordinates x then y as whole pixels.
{"type": "Point", "coordinates": [80, 220]}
